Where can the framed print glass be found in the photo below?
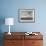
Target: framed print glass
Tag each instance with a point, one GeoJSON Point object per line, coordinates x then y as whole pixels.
{"type": "Point", "coordinates": [27, 15]}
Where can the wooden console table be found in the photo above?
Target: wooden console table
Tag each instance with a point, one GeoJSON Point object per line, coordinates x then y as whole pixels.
{"type": "Point", "coordinates": [20, 39]}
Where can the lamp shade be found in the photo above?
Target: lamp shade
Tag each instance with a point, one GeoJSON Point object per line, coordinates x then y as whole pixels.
{"type": "Point", "coordinates": [9, 21]}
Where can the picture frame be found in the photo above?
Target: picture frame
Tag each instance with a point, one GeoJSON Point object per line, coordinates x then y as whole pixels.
{"type": "Point", "coordinates": [26, 15]}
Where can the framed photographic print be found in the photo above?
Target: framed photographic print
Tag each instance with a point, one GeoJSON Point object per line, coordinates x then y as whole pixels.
{"type": "Point", "coordinates": [27, 15]}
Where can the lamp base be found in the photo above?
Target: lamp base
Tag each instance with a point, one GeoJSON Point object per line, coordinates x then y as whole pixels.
{"type": "Point", "coordinates": [9, 33]}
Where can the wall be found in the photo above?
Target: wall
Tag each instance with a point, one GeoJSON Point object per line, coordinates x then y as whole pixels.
{"type": "Point", "coordinates": [9, 8]}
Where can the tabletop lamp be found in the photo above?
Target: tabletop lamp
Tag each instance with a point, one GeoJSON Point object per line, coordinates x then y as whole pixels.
{"type": "Point", "coordinates": [9, 21]}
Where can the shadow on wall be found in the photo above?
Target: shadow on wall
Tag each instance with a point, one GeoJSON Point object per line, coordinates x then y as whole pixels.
{"type": "Point", "coordinates": [2, 21]}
